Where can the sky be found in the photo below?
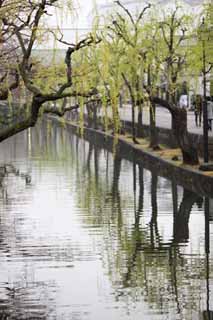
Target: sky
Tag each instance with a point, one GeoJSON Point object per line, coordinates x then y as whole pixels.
{"type": "Point", "coordinates": [84, 7]}
{"type": "Point", "coordinates": [77, 25]}
{"type": "Point", "coordinates": [74, 25]}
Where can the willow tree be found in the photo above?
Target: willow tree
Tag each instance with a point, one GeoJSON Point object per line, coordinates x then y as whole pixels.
{"type": "Point", "coordinates": [25, 27]}
{"type": "Point", "coordinates": [174, 29]}
{"type": "Point", "coordinates": [9, 77]}
{"type": "Point", "coordinates": [128, 28]}
{"type": "Point", "coordinates": [202, 49]}
{"type": "Point", "coordinates": [109, 69]}
{"type": "Point", "coordinates": [86, 78]}
{"type": "Point", "coordinates": [105, 62]}
{"type": "Point", "coordinates": [152, 65]}
{"type": "Point", "coordinates": [209, 19]}
{"type": "Point", "coordinates": [160, 53]}
{"type": "Point", "coordinates": [169, 53]}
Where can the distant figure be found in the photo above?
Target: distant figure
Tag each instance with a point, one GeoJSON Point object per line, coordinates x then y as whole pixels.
{"type": "Point", "coordinates": [199, 202]}
{"type": "Point", "coordinates": [198, 110]}
{"type": "Point", "coordinates": [184, 89]}
{"type": "Point", "coordinates": [183, 95]}
{"type": "Point", "coordinates": [209, 112]}
{"type": "Point", "coordinates": [183, 102]}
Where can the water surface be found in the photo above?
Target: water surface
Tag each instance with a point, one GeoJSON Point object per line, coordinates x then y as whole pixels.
{"type": "Point", "coordinates": [86, 235]}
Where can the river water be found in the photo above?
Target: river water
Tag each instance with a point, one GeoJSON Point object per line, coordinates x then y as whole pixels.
{"type": "Point", "coordinates": [86, 235]}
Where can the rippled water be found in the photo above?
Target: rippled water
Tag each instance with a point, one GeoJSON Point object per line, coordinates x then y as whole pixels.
{"type": "Point", "coordinates": [85, 235]}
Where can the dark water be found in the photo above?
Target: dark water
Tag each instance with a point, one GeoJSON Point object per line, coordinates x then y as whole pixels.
{"type": "Point", "coordinates": [85, 235]}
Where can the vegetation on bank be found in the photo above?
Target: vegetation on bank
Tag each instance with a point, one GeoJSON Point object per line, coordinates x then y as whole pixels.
{"type": "Point", "coordinates": [142, 58]}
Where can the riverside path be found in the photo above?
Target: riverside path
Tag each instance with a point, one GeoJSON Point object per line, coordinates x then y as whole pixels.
{"type": "Point", "coordinates": [163, 119]}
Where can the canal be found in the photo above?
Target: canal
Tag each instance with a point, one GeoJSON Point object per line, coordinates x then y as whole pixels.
{"type": "Point", "coordinates": [87, 235]}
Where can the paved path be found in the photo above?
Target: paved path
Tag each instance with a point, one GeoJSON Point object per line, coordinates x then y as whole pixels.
{"type": "Point", "coordinates": [163, 119]}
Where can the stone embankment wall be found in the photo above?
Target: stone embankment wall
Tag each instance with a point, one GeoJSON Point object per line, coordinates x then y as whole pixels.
{"type": "Point", "coordinates": [166, 137]}
{"type": "Point", "coordinates": [186, 176]}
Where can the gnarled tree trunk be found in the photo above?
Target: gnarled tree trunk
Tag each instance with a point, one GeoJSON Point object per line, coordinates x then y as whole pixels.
{"type": "Point", "coordinates": [189, 150]}
{"type": "Point", "coordinates": [179, 117]}
{"type": "Point", "coordinates": [27, 122]}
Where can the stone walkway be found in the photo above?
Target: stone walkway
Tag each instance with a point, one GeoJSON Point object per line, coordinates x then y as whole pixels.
{"type": "Point", "coordinates": [163, 119]}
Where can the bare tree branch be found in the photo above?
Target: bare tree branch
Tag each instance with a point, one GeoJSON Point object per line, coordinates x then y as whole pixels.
{"type": "Point", "coordinates": [126, 10]}
{"type": "Point", "coordinates": [142, 13]}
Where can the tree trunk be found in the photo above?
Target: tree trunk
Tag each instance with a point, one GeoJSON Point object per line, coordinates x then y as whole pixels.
{"type": "Point", "coordinates": [133, 123]}
{"type": "Point", "coordinates": [95, 123]}
{"type": "Point", "coordinates": [140, 122]}
{"type": "Point", "coordinates": [28, 121]}
{"type": "Point", "coordinates": [181, 219]}
{"type": "Point", "coordinates": [120, 100]}
{"type": "Point", "coordinates": [133, 105]}
{"type": "Point", "coordinates": [189, 151]}
{"type": "Point", "coordinates": [187, 146]}
{"type": "Point", "coordinates": [153, 131]}
{"type": "Point", "coordinates": [89, 115]}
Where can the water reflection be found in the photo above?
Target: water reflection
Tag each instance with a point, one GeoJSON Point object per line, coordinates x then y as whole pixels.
{"type": "Point", "coordinates": [181, 217]}
{"type": "Point", "coordinates": [94, 236]}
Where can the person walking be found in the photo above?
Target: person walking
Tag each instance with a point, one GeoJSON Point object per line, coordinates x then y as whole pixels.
{"type": "Point", "coordinates": [209, 112]}
{"type": "Point", "coordinates": [198, 110]}
{"type": "Point", "coordinates": [183, 102]}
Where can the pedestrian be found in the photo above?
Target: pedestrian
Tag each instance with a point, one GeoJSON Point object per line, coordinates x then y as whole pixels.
{"type": "Point", "coordinates": [209, 112]}
{"type": "Point", "coordinates": [183, 102]}
{"type": "Point", "coordinates": [198, 110]}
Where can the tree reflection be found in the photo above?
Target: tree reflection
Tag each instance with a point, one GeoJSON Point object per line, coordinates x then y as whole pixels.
{"type": "Point", "coordinates": [207, 314]}
{"type": "Point", "coordinates": [154, 234]}
{"type": "Point", "coordinates": [181, 218]}
{"type": "Point", "coordinates": [141, 194]}
{"type": "Point", "coordinates": [10, 169]}
{"type": "Point", "coordinates": [136, 233]}
{"type": "Point", "coordinates": [96, 163]}
{"type": "Point", "coordinates": [143, 262]}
